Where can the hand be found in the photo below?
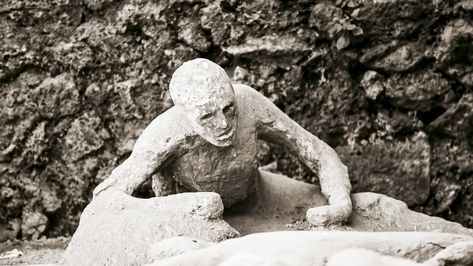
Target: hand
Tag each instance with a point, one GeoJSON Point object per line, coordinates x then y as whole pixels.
{"type": "Point", "coordinates": [328, 214]}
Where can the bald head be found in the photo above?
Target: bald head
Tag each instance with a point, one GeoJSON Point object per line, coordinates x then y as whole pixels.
{"type": "Point", "coordinates": [203, 91]}
{"type": "Point", "coordinates": [198, 81]}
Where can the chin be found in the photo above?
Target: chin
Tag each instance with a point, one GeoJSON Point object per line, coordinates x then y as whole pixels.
{"type": "Point", "coordinates": [222, 142]}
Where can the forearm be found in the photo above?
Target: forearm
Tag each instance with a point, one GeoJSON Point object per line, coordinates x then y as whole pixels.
{"type": "Point", "coordinates": [333, 175]}
{"type": "Point", "coordinates": [127, 176]}
{"type": "Point", "coordinates": [324, 161]}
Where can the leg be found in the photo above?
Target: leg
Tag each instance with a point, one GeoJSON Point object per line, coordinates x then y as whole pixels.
{"type": "Point", "coordinates": [163, 185]}
{"type": "Point", "coordinates": [281, 194]}
{"type": "Point", "coordinates": [288, 195]}
{"type": "Point", "coordinates": [280, 203]}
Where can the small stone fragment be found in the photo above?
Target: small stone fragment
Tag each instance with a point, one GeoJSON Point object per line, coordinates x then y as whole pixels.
{"type": "Point", "coordinates": [419, 91]}
{"type": "Point", "coordinates": [15, 253]}
{"type": "Point", "coordinates": [33, 224]}
{"type": "Point", "coordinates": [372, 82]}
{"type": "Point", "coordinates": [457, 121]}
{"type": "Point", "coordinates": [454, 52]}
{"type": "Point", "coordinates": [191, 33]}
{"type": "Point", "coordinates": [85, 135]}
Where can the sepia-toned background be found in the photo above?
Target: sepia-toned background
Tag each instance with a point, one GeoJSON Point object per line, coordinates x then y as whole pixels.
{"type": "Point", "coordinates": [388, 84]}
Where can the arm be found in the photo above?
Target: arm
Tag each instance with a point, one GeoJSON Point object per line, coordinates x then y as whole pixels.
{"type": "Point", "coordinates": [155, 145]}
{"type": "Point", "coordinates": [275, 126]}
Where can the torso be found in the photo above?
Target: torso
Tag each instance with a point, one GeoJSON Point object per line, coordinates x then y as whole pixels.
{"type": "Point", "coordinates": [229, 171]}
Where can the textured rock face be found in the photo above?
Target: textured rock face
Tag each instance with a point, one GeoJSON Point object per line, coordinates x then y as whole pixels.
{"type": "Point", "coordinates": [79, 81]}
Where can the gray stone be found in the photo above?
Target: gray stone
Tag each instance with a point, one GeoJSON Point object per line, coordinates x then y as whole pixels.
{"type": "Point", "coordinates": [332, 23]}
{"type": "Point", "coordinates": [454, 52]}
{"type": "Point", "coordinates": [402, 58]}
{"type": "Point", "coordinates": [50, 200]}
{"type": "Point", "coordinates": [315, 248]}
{"type": "Point", "coordinates": [84, 136]}
{"type": "Point", "coordinates": [57, 97]}
{"type": "Point", "coordinates": [457, 121]}
{"type": "Point", "coordinates": [190, 32]}
{"type": "Point", "coordinates": [217, 22]}
{"type": "Point", "coordinates": [33, 224]}
{"type": "Point", "coordinates": [387, 20]}
{"type": "Point", "coordinates": [420, 91]}
{"type": "Point", "coordinates": [372, 82]}
{"type": "Point", "coordinates": [10, 230]}
{"type": "Point", "coordinates": [118, 229]}
{"type": "Point", "coordinates": [285, 50]}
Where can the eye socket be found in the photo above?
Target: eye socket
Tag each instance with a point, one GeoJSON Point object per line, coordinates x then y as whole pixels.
{"type": "Point", "coordinates": [205, 117]}
{"type": "Point", "coordinates": [229, 107]}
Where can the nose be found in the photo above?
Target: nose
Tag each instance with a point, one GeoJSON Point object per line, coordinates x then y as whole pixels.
{"type": "Point", "coordinates": [221, 121]}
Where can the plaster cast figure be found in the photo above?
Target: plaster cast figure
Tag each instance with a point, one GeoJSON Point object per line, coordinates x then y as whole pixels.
{"type": "Point", "coordinates": [208, 142]}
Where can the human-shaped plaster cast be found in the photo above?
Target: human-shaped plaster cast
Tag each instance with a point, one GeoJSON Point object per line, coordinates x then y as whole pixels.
{"type": "Point", "coordinates": [208, 142]}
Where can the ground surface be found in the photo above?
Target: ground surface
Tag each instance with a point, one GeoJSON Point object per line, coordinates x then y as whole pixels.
{"type": "Point", "coordinates": [48, 251]}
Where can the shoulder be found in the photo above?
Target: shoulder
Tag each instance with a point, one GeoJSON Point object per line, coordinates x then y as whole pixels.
{"type": "Point", "coordinates": [165, 131]}
{"type": "Point", "coordinates": [249, 97]}
{"type": "Point", "coordinates": [252, 99]}
{"type": "Point", "coordinates": [245, 91]}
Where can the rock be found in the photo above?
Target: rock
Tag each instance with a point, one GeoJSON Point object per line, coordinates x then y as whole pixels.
{"type": "Point", "coordinates": [73, 54]}
{"type": "Point", "coordinates": [85, 135]}
{"type": "Point", "coordinates": [217, 22]}
{"type": "Point", "coordinates": [387, 20]}
{"type": "Point", "coordinates": [455, 169]}
{"type": "Point", "coordinates": [33, 224]}
{"type": "Point", "coordinates": [285, 50]}
{"type": "Point", "coordinates": [10, 230]}
{"type": "Point", "coordinates": [397, 59]}
{"type": "Point", "coordinates": [330, 22]}
{"type": "Point", "coordinates": [372, 82]}
{"type": "Point", "coordinates": [96, 94]}
{"type": "Point", "coordinates": [190, 32]}
{"type": "Point", "coordinates": [57, 97]}
{"type": "Point", "coordinates": [97, 4]}
{"type": "Point", "coordinates": [465, 4]}
{"type": "Point", "coordinates": [117, 228]}
{"type": "Point", "coordinates": [457, 121]}
{"type": "Point", "coordinates": [315, 248]}
{"type": "Point", "coordinates": [419, 91]}
{"type": "Point", "coordinates": [50, 200]}
{"type": "Point", "coordinates": [454, 51]}
{"type": "Point", "coordinates": [397, 169]}
{"type": "Point", "coordinates": [326, 18]}
{"type": "Point", "coordinates": [143, 15]}
{"type": "Point", "coordinates": [379, 213]}
{"type": "Point", "coordinates": [36, 145]}
{"type": "Point", "coordinates": [452, 186]}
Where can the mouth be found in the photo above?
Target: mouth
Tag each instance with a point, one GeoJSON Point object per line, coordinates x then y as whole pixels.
{"type": "Point", "coordinates": [225, 135]}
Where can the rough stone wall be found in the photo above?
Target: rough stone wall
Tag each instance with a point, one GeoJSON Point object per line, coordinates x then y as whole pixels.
{"type": "Point", "coordinates": [387, 83]}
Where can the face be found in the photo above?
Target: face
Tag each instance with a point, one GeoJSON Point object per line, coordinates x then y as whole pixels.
{"type": "Point", "coordinates": [214, 117]}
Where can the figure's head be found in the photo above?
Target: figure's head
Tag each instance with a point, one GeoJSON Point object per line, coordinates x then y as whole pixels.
{"type": "Point", "coordinates": [204, 92]}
